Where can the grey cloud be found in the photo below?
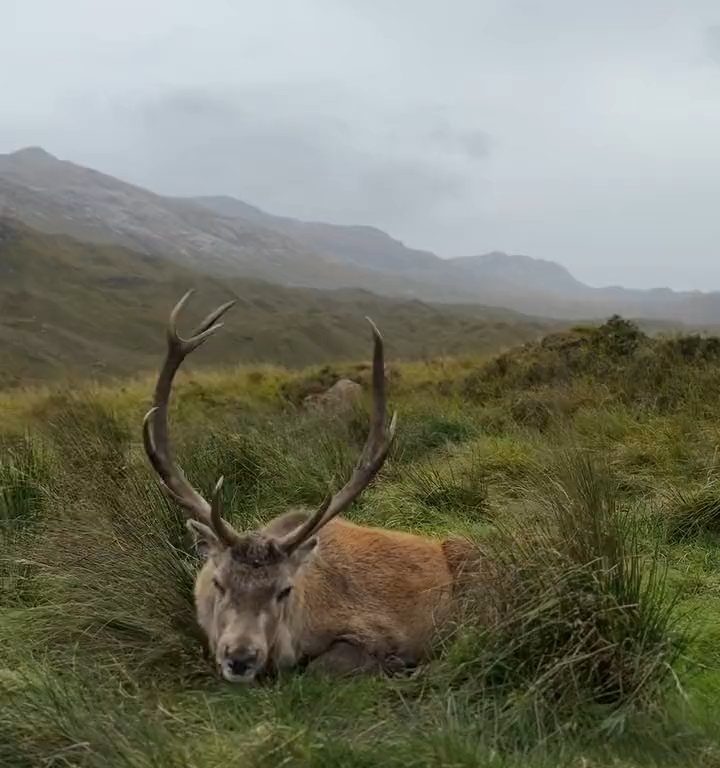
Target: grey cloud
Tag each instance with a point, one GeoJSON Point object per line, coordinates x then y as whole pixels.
{"type": "Point", "coordinates": [581, 132]}
{"type": "Point", "coordinates": [296, 162]}
{"type": "Point", "coordinates": [712, 42]}
{"type": "Point", "coordinates": [475, 144]}
{"type": "Point", "coordinates": [403, 190]}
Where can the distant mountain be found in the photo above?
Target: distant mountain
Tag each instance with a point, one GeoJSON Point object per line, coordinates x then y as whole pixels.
{"type": "Point", "coordinates": [359, 246]}
{"type": "Point", "coordinates": [522, 283]}
{"type": "Point", "coordinates": [58, 196]}
{"type": "Point", "coordinates": [61, 197]}
{"type": "Point", "coordinates": [222, 236]}
{"type": "Point", "coordinates": [516, 273]}
{"type": "Point", "coordinates": [72, 308]}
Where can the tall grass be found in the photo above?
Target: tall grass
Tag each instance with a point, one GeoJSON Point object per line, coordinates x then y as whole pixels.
{"type": "Point", "coordinates": [116, 589]}
{"type": "Point", "coordinates": [25, 472]}
{"type": "Point", "coordinates": [566, 648]}
{"type": "Point", "coordinates": [582, 616]}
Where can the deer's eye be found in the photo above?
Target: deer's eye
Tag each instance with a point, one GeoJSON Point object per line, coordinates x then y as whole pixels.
{"type": "Point", "coordinates": [283, 593]}
{"type": "Point", "coordinates": [218, 585]}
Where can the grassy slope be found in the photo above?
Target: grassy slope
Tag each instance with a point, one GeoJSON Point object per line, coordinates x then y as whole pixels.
{"type": "Point", "coordinates": [71, 308]}
{"type": "Point", "coordinates": [99, 658]}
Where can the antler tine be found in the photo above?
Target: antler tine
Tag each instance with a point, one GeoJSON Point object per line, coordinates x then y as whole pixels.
{"type": "Point", "coordinates": [155, 425]}
{"type": "Point", "coordinates": [375, 451]}
{"type": "Point", "coordinates": [379, 406]}
{"type": "Point", "coordinates": [210, 322]}
{"type": "Point", "coordinates": [201, 333]}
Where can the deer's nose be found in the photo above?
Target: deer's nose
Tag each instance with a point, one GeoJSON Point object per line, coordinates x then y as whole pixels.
{"type": "Point", "coordinates": [240, 663]}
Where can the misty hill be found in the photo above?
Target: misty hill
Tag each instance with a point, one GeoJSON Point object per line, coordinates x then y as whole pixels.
{"type": "Point", "coordinates": [222, 236]}
{"type": "Point", "coordinates": [519, 282]}
{"type": "Point", "coordinates": [61, 197]}
{"type": "Point", "coordinates": [359, 246]}
{"type": "Point", "coordinates": [70, 308]}
{"type": "Point", "coordinates": [516, 273]}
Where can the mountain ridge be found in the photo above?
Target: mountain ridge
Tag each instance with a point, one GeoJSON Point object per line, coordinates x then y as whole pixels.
{"type": "Point", "coordinates": [226, 237]}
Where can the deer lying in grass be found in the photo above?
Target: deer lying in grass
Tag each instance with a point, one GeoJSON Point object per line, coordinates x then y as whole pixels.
{"type": "Point", "coordinates": [306, 588]}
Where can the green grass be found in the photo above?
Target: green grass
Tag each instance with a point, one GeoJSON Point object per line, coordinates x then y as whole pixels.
{"type": "Point", "coordinates": [589, 636]}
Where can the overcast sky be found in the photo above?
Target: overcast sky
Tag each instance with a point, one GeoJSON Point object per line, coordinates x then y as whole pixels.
{"type": "Point", "coordinates": [584, 132]}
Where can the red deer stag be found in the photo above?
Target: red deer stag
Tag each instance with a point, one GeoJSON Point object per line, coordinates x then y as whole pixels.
{"type": "Point", "coordinates": [307, 588]}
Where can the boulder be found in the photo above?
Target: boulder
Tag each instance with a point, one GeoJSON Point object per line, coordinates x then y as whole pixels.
{"type": "Point", "coordinates": [341, 396]}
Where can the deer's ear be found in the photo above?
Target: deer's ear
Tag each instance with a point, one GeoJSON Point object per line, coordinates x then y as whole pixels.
{"type": "Point", "coordinates": [305, 551]}
{"type": "Point", "coordinates": [206, 542]}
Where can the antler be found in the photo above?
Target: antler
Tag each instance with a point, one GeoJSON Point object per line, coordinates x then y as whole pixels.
{"type": "Point", "coordinates": [155, 424]}
{"type": "Point", "coordinates": [374, 453]}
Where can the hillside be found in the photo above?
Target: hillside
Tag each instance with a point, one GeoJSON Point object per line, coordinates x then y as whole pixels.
{"type": "Point", "coordinates": [226, 237]}
{"type": "Point", "coordinates": [358, 246]}
{"type": "Point", "coordinates": [534, 286]}
{"type": "Point", "coordinates": [56, 196]}
{"type": "Point", "coordinates": [74, 308]}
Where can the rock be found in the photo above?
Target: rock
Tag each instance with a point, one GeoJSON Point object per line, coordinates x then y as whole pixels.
{"type": "Point", "coordinates": [341, 396]}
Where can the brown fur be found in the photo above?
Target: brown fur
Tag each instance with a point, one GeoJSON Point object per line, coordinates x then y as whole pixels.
{"type": "Point", "coordinates": [362, 598]}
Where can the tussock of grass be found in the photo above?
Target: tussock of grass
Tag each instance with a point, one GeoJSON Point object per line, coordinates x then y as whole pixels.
{"type": "Point", "coordinates": [506, 460]}
{"type": "Point", "coordinates": [459, 492]}
{"type": "Point", "coordinates": [24, 469]}
{"type": "Point", "coordinates": [694, 512]}
{"type": "Point", "coordinates": [581, 618]}
{"type": "Point", "coordinates": [114, 585]}
{"type": "Point", "coordinates": [425, 431]}
{"type": "Point", "coordinates": [543, 409]}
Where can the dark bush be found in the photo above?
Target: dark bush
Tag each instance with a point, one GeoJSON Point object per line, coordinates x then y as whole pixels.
{"type": "Point", "coordinates": [618, 337]}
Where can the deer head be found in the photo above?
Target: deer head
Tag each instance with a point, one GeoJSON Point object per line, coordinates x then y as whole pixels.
{"type": "Point", "coordinates": [245, 591]}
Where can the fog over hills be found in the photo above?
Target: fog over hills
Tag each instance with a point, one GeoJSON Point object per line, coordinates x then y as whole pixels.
{"type": "Point", "coordinates": [222, 236]}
